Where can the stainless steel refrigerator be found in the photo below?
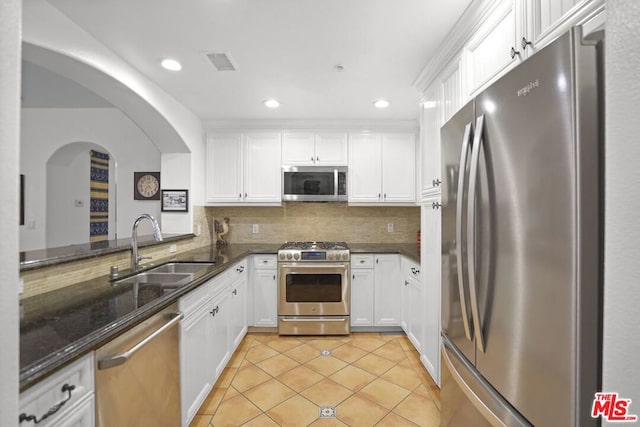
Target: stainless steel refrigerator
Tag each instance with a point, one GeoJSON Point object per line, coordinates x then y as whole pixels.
{"type": "Point", "coordinates": [521, 244]}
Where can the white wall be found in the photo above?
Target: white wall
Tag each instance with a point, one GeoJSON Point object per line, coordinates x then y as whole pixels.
{"type": "Point", "coordinates": [45, 130]}
{"type": "Point", "coordinates": [10, 18]}
{"type": "Point", "coordinates": [622, 206]}
{"type": "Point", "coordinates": [45, 26]}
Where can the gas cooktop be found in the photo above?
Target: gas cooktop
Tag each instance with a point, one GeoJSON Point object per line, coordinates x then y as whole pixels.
{"type": "Point", "coordinates": [314, 251]}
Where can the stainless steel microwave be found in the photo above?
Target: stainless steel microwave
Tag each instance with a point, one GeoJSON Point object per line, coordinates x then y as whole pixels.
{"type": "Point", "coordinates": [314, 183]}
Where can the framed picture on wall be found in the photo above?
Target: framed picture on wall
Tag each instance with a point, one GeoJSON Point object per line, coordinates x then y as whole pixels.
{"type": "Point", "coordinates": [175, 200]}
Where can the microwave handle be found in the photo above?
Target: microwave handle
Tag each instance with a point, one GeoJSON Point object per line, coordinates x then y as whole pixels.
{"type": "Point", "coordinates": [335, 182]}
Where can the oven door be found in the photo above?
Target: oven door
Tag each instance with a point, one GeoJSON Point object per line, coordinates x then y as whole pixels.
{"type": "Point", "coordinates": [313, 289]}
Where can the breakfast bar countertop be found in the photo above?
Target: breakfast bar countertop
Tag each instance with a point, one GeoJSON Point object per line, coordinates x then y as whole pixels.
{"type": "Point", "coordinates": [60, 326]}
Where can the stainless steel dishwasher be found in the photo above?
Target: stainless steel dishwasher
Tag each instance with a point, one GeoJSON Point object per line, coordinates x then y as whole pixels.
{"type": "Point", "coordinates": [137, 375]}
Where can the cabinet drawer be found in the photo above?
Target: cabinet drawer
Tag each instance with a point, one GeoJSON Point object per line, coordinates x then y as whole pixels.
{"type": "Point", "coordinates": [264, 261]}
{"type": "Point", "coordinates": [40, 398]}
{"type": "Point", "coordinates": [361, 261]}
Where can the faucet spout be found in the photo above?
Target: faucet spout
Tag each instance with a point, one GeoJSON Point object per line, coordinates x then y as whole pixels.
{"type": "Point", "coordinates": [157, 235]}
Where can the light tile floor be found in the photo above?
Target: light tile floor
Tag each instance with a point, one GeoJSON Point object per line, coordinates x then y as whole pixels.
{"type": "Point", "coordinates": [370, 380]}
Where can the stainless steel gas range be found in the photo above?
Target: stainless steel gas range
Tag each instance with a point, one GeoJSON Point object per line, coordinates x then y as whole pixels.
{"type": "Point", "coordinates": [314, 288]}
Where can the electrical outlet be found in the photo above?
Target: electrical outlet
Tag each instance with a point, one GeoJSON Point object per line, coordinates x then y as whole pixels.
{"type": "Point", "coordinates": [20, 285]}
{"type": "Point", "coordinates": [173, 248]}
{"type": "Point", "coordinates": [390, 227]}
{"type": "Point", "coordinates": [256, 228]}
{"type": "Point", "coordinates": [198, 230]}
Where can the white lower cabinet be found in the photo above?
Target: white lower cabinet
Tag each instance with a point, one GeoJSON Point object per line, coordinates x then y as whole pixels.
{"type": "Point", "coordinates": [431, 270]}
{"type": "Point", "coordinates": [204, 338]}
{"type": "Point", "coordinates": [413, 303]}
{"type": "Point", "coordinates": [71, 390]}
{"type": "Point", "coordinates": [362, 290]}
{"type": "Point", "coordinates": [265, 291]}
{"type": "Point", "coordinates": [238, 309]}
{"type": "Point", "coordinates": [387, 304]}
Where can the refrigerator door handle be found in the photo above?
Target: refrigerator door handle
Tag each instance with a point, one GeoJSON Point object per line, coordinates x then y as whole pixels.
{"type": "Point", "coordinates": [471, 231]}
{"type": "Point", "coordinates": [459, 236]}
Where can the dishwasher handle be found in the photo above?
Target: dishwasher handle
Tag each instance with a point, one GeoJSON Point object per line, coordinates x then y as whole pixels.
{"type": "Point", "coordinates": [119, 359]}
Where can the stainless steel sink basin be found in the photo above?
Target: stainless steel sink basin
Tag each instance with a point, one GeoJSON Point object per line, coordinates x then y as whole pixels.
{"type": "Point", "coordinates": [182, 267]}
{"type": "Point", "coordinates": [172, 279]}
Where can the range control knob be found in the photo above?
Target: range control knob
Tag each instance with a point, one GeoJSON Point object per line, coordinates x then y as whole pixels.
{"type": "Point", "coordinates": [281, 256]}
{"type": "Point", "coordinates": [296, 256]}
{"type": "Point", "coordinates": [345, 256]}
{"type": "Point", "coordinates": [289, 256]}
{"type": "Point", "coordinates": [331, 256]}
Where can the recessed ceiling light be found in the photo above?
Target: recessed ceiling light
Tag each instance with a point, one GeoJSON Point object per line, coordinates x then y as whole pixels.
{"type": "Point", "coordinates": [381, 103]}
{"type": "Point", "coordinates": [272, 103]}
{"type": "Point", "coordinates": [171, 64]}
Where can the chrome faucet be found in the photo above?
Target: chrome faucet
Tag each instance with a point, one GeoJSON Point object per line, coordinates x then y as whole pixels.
{"type": "Point", "coordinates": [157, 235]}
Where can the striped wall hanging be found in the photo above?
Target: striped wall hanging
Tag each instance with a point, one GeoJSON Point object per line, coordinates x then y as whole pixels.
{"type": "Point", "coordinates": [99, 209]}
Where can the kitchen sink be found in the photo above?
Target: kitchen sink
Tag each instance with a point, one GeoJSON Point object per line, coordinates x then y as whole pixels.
{"type": "Point", "coordinates": [182, 267]}
{"type": "Point", "coordinates": [172, 279]}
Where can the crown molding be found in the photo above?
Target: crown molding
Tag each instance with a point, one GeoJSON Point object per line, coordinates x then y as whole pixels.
{"type": "Point", "coordinates": [470, 21]}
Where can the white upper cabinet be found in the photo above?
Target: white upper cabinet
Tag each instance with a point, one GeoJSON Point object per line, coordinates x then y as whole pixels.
{"type": "Point", "coordinates": [365, 168]}
{"type": "Point", "coordinates": [430, 123]}
{"type": "Point", "coordinates": [494, 48]}
{"type": "Point", "coordinates": [243, 168]}
{"type": "Point", "coordinates": [382, 168]}
{"type": "Point", "coordinates": [262, 174]}
{"type": "Point", "coordinates": [398, 168]}
{"type": "Point", "coordinates": [224, 168]}
{"type": "Point", "coordinates": [314, 149]}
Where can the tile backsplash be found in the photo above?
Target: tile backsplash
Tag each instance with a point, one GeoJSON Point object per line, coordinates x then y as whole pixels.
{"type": "Point", "coordinates": [319, 221]}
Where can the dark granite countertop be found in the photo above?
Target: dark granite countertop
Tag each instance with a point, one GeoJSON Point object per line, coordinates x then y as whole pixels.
{"type": "Point", "coordinates": [31, 260]}
{"type": "Point", "coordinates": [58, 327]}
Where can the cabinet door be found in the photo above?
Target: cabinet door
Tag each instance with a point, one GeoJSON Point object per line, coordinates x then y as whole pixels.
{"type": "Point", "coordinates": [224, 168]}
{"type": "Point", "coordinates": [265, 298]}
{"type": "Point", "coordinates": [331, 149]}
{"type": "Point", "coordinates": [365, 168]}
{"type": "Point", "coordinates": [430, 274]}
{"type": "Point", "coordinates": [387, 290]}
{"type": "Point", "coordinates": [262, 169]}
{"type": "Point", "coordinates": [362, 297]}
{"type": "Point", "coordinates": [195, 361]}
{"type": "Point", "coordinates": [298, 149]}
{"type": "Point", "coordinates": [416, 309]}
{"type": "Point", "coordinates": [488, 54]}
{"type": "Point", "coordinates": [399, 168]}
{"type": "Point", "coordinates": [237, 313]}
{"type": "Point", "coordinates": [219, 335]}
{"type": "Point", "coordinates": [430, 141]}
{"type": "Point", "coordinates": [548, 19]}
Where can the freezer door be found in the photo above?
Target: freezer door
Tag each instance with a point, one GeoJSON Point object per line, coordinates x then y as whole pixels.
{"type": "Point", "coordinates": [470, 400]}
{"type": "Point", "coordinates": [529, 253]}
{"type": "Point", "coordinates": [456, 324]}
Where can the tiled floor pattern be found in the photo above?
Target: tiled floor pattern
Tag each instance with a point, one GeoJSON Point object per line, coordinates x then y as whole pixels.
{"type": "Point", "coordinates": [370, 380]}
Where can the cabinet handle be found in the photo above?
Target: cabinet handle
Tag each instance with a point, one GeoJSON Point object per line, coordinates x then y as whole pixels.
{"type": "Point", "coordinates": [274, 277]}
{"type": "Point", "coordinates": [264, 261]}
{"type": "Point", "coordinates": [312, 158]}
{"type": "Point", "coordinates": [514, 52]}
{"type": "Point", "coordinates": [317, 159]}
{"type": "Point", "coordinates": [436, 182]}
{"type": "Point", "coordinates": [415, 270]}
{"type": "Point", "coordinates": [240, 196]}
{"type": "Point", "coordinates": [406, 283]}
{"type": "Point", "coordinates": [524, 43]}
{"type": "Point", "coordinates": [235, 292]}
{"type": "Point", "coordinates": [353, 277]}
{"type": "Point", "coordinates": [55, 408]}
{"type": "Point", "coordinates": [245, 195]}
{"type": "Point", "coordinates": [436, 205]}
{"type": "Point", "coordinates": [377, 261]}
{"type": "Point", "coordinates": [379, 195]}
{"type": "Point", "coordinates": [362, 261]}
{"type": "Point", "coordinates": [385, 196]}
{"type": "Point", "coordinates": [215, 311]}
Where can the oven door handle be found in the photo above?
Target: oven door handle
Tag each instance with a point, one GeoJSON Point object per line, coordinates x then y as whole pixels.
{"type": "Point", "coordinates": [313, 265]}
{"type": "Point", "coordinates": [314, 319]}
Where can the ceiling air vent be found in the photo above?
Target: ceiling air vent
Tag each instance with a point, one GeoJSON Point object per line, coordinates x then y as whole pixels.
{"type": "Point", "coordinates": [222, 61]}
